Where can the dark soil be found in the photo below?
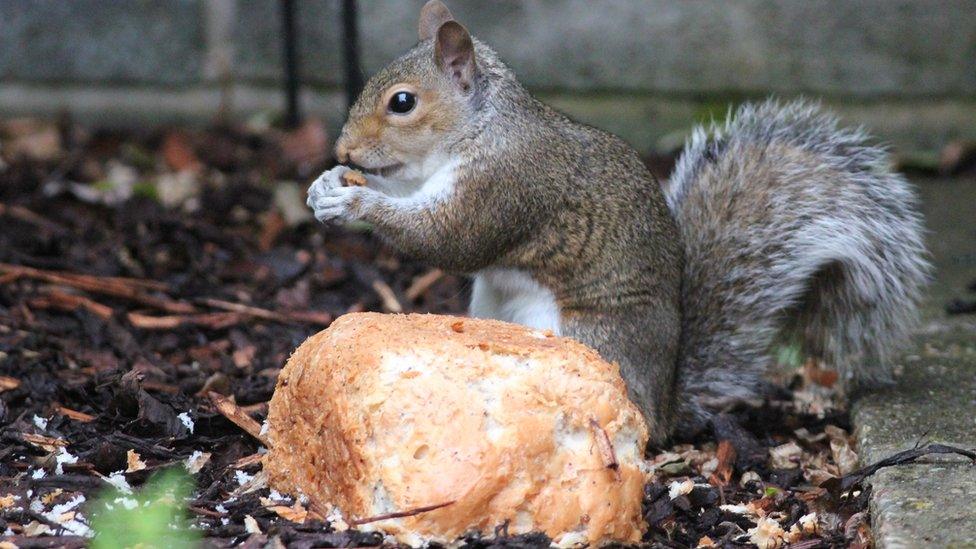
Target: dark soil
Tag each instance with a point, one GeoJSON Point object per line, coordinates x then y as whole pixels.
{"type": "Point", "coordinates": [117, 317]}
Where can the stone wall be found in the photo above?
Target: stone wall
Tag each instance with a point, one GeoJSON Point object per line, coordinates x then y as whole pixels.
{"type": "Point", "coordinates": [644, 69]}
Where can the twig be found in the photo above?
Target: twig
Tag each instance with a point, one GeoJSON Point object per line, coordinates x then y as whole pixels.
{"type": "Point", "coordinates": [604, 445]}
{"type": "Point", "coordinates": [237, 314]}
{"type": "Point", "coordinates": [256, 408]}
{"type": "Point", "coordinates": [808, 544]}
{"type": "Point", "coordinates": [74, 414]}
{"type": "Point", "coordinates": [116, 287]}
{"type": "Point", "coordinates": [390, 302]}
{"type": "Point", "coordinates": [842, 485]}
{"type": "Point", "coordinates": [400, 514]}
{"type": "Point", "coordinates": [56, 299]}
{"type": "Point", "coordinates": [245, 309]}
{"type": "Point", "coordinates": [309, 317]}
{"type": "Point", "coordinates": [247, 461]}
{"type": "Point", "coordinates": [215, 321]}
{"type": "Point", "coordinates": [39, 542]}
{"type": "Point", "coordinates": [238, 417]}
{"type": "Point", "coordinates": [27, 216]}
{"type": "Point", "coordinates": [41, 441]}
{"type": "Point", "coordinates": [422, 284]}
{"type": "Point", "coordinates": [205, 512]}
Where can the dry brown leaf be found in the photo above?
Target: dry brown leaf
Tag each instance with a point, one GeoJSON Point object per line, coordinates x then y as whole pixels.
{"type": "Point", "coordinates": [762, 506]}
{"type": "Point", "coordinates": [244, 356]}
{"type": "Point", "coordinates": [134, 462]}
{"type": "Point", "coordinates": [840, 449]}
{"type": "Point", "coordinates": [706, 541]}
{"type": "Point", "coordinates": [34, 529]}
{"type": "Point", "coordinates": [295, 513]}
{"type": "Point", "coordinates": [809, 524]}
{"type": "Point", "coordinates": [178, 153]}
{"type": "Point", "coordinates": [805, 435]}
{"type": "Point", "coordinates": [726, 461]}
{"type": "Point", "coordinates": [48, 498]}
{"type": "Point", "coordinates": [785, 456]}
{"type": "Point", "coordinates": [818, 476]}
{"type": "Point", "coordinates": [66, 517]}
{"type": "Point", "coordinates": [8, 383]}
{"type": "Point", "coordinates": [680, 488]}
{"type": "Point", "coordinates": [957, 156]}
{"type": "Point", "coordinates": [767, 534]}
{"type": "Point", "coordinates": [251, 525]}
{"type": "Point", "coordinates": [196, 462]}
{"type": "Point", "coordinates": [749, 476]}
{"type": "Point", "coordinates": [272, 225]}
{"type": "Point", "coordinates": [7, 501]}
{"type": "Point", "coordinates": [844, 457]}
{"type": "Point", "coordinates": [824, 377]}
{"type": "Point", "coordinates": [30, 138]}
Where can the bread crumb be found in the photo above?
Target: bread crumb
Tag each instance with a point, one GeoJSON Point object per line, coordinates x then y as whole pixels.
{"type": "Point", "coordinates": [354, 178]}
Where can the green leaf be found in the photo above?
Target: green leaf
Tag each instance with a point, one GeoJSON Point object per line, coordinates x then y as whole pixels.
{"type": "Point", "coordinates": [146, 189]}
{"type": "Point", "coordinates": [790, 355]}
{"type": "Point", "coordinates": [155, 516]}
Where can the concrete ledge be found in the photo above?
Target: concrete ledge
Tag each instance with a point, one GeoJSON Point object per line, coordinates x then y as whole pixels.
{"type": "Point", "coordinates": [650, 123]}
{"type": "Point", "coordinates": [133, 106]}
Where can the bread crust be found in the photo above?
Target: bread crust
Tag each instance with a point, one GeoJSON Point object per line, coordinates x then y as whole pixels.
{"type": "Point", "coordinates": [384, 413]}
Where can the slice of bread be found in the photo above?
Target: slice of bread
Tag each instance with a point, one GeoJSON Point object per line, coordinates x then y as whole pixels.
{"type": "Point", "coordinates": [382, 414]}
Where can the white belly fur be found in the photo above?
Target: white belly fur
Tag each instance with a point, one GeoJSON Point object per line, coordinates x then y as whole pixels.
{"type": "Point", "coordinates": [514, 296]}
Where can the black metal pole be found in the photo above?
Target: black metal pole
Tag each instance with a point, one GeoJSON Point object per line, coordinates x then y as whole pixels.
{"type": "Point", "coordinates": [350, 48]}
{"type": "Point", "coordinates": [292, 80]}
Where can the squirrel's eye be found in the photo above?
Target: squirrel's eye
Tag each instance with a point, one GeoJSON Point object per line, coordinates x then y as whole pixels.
{"type": "Point", "coordinates": [402, 102]}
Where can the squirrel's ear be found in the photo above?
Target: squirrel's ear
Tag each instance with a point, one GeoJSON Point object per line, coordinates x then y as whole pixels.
{"type": "Point", "coordinates": [432, 16]}
{"type": "Point", "coordinates": [454, 54]}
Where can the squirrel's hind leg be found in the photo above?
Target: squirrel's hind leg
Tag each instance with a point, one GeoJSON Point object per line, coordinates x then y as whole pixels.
{"type": "Point", "coordinates": [514, 296]}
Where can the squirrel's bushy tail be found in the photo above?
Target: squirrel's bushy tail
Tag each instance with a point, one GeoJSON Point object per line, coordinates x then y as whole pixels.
{"type": "Point", "coordinates": [794, 229]}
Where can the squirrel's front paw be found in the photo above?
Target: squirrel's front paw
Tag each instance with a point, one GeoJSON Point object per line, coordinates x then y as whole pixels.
{"type": "Point", "coordinates": [338, 203]}
{"type": "Point", "coordinates": [329, 180]}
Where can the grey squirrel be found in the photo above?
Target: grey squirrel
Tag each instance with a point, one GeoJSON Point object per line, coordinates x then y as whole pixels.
{"type": "Point", "coordinates": [776, 226]}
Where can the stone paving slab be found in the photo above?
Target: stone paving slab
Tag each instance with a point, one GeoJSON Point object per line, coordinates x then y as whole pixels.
{"type": "Point", "coordinates": [932, 503]}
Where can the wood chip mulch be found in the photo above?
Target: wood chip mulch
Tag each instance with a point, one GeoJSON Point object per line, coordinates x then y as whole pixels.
{"type": "Point", "coordinates": [137, 337]}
